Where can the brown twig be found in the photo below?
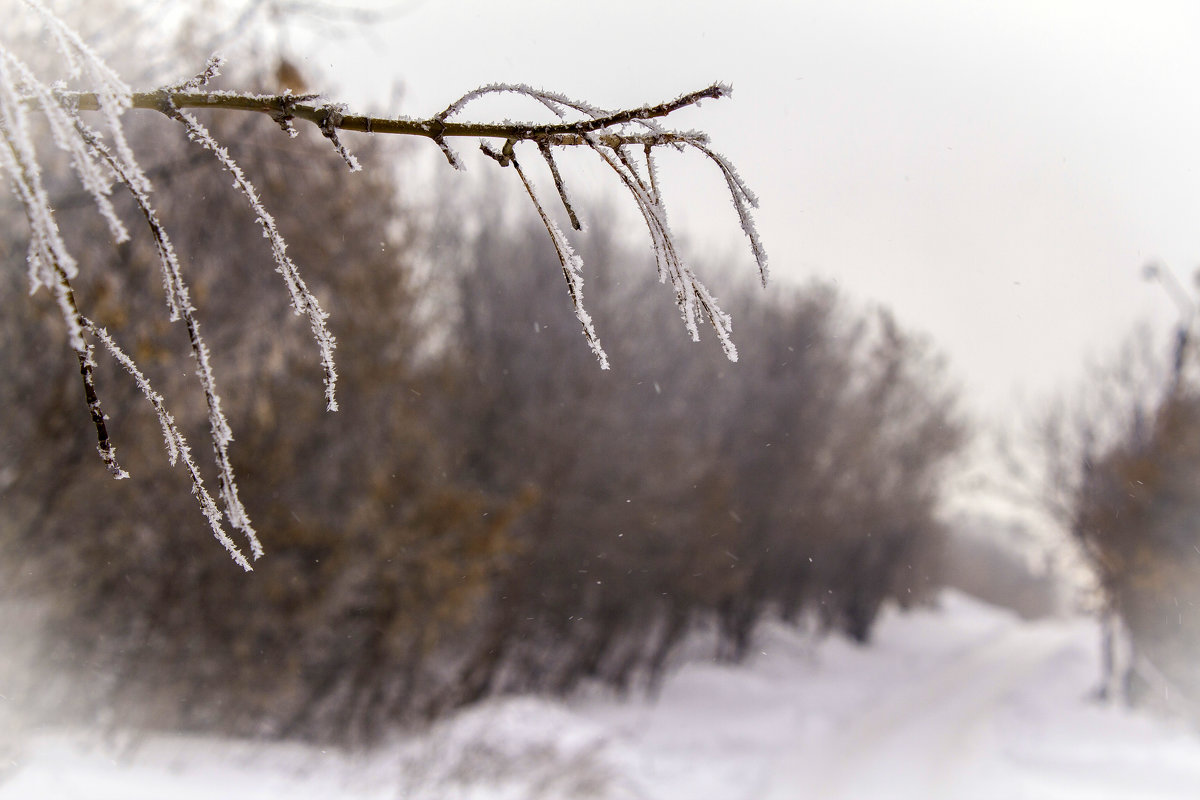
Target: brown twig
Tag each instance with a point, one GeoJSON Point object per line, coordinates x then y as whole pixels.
{"type": "Point", "coordinates": [560, 134]}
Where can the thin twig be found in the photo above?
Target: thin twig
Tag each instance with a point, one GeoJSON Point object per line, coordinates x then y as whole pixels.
{"type": "Point", "coordinates": [572, 264]}
{"type": "Point", "coordinates": [548, 155]}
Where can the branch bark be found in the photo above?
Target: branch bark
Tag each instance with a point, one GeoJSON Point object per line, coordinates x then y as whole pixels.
{"type": "Point", "coordinates": [306, 107]}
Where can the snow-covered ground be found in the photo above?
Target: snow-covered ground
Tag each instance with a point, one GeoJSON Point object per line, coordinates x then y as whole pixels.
{"type": "Point", "coordinates": [963, 702]}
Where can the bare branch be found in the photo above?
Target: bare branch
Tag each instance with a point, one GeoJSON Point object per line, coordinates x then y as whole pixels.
{"type": "Point", "coordinates": [559, 134]}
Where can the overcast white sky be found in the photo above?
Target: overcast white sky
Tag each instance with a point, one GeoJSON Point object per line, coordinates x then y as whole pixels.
{"type": "Point", "coordinates": [996, 172]}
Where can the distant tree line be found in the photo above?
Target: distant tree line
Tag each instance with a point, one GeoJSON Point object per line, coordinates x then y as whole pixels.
{"type": "Point", "coordinates": [488, 511]}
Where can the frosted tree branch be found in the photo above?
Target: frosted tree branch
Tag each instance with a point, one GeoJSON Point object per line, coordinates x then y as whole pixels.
{"type": "Point", "coordinates": [101, 158]}
{"type": "Point", "coordinates": [304, 302]}
{"type": "Point", "coordinates": [608, 133]}
{"type": "Point", "coordinates": [180, 305]}
{"type": "Point", "coordinates": [548, 155]}
{"type": "Point", "coordinates": [307, 108]}
{"type": "Point", "coordinates": [177, 445]}
{"type": "Point", "coordinates": [572, 264]}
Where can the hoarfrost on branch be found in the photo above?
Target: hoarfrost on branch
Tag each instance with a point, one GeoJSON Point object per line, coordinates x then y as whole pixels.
{"type": "Point", "coordinates": [102, 159]}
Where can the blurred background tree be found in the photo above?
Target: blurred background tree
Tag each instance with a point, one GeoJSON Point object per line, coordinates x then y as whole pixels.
{"type": "Point", "coordinates": [1125, 477]}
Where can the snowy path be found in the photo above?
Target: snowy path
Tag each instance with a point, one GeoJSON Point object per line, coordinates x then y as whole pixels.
{"type": "Point", "coordinates": [931, 738]}
{"type": "Point", "coordinates": [965, 702]}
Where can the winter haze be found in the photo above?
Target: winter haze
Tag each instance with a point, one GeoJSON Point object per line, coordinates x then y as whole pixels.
{"type": "Point", "coordinates": [501, 571]}
{"type": "Point", "coordinates": [996, 172]}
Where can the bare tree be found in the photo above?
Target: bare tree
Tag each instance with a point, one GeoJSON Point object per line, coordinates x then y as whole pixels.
{"type": "Point", "coordinates": [1122, 472]}
{"type": "Point", "coordinates": [59, 101]}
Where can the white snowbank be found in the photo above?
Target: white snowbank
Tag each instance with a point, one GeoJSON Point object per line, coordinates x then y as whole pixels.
{"type": "Point", "coordinates": [963, 702]}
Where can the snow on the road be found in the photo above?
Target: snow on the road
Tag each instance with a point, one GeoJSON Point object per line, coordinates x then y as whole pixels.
{"type": "Point", "coordinates": [962, 702]}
